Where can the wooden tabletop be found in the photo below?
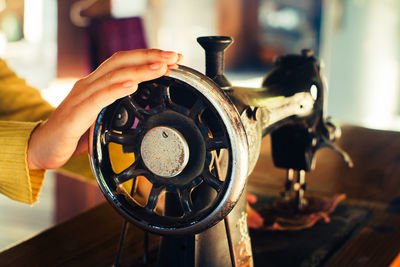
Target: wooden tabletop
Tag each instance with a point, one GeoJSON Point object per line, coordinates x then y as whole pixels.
{"type": "Point", "coordinates": [91, 238]}
{"type": "Point", "coordinates": [373, 182]}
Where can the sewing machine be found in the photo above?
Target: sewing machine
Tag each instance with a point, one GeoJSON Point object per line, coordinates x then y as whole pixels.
{"type": "Point", "coordinates": [365, 230]}
{"type": "Point", "coordinates": [196, 138]}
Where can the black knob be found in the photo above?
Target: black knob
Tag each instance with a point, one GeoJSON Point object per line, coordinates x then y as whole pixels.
{"type": "Point", "coordinates": [214, 47]}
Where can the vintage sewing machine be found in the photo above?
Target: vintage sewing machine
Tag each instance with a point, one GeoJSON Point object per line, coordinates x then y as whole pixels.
{"type": "Point", "coordinates": [196, 138]}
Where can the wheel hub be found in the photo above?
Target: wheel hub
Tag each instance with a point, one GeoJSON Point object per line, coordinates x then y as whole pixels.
{"type": "Point", "coordinates": [164, 151]}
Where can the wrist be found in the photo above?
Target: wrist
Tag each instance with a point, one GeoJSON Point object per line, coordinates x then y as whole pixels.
{"type": "Point", "coordinates": [32, 150]}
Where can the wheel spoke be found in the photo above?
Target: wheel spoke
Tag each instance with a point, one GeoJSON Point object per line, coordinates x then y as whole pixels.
{"type": "Point", "coordinates": [128, 138]}
{"type": "Point", "coordinates": [167, 103]}
{"type": "Point", "coordinates": [153, 197]}
{"type": "Point", "coordinates": [186, 202]}
{"type": "Point", "coordinates": [195, 182]}
{"type": "Point", "coordinates": [131, 105]}
{"type": "Point", "coordinates": [202, 128]}
{"type": "Point", "coordinates": [217, 143]}
{"type": "Point", "coordinates": [197, 109]}
{"type": "Point", "coordinates": [130, 173]}
{"type": "Point", "coordinates": [166, 96]}
{"type": "Point", "coordinates": [212, 181]}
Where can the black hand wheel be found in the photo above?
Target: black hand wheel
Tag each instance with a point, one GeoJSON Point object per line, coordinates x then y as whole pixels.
{"type": "Point", "coordinates": [189, 145]}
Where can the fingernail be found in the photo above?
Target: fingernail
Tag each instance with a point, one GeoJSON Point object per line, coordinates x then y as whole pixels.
{"type": "Point", "coordinates": [251, 198]}
{"type": "Point", "coordinates": [173, 66]}
{"type": "Point", "coordinates": [127, 84]}
{"type": "Point", "coordinates": [167, 54]}
{"type": "Point", "coordinates": [180, 59]}
{"type": "Point", "coordinates": [155, 66]}
{"type": "Point", "coordinates": [260, 222]}
{"type": "Point", "coordinates": [256, 223]}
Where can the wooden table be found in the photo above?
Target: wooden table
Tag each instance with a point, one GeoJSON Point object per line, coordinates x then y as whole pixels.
{"type": "Point", "coordinates": [91, 238]}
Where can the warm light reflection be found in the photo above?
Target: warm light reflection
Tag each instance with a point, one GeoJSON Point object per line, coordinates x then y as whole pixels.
{"type": "Point", "coordinates": [3, 44]}
{"type": "Point", "coordinates": [286, 18]}
{"type": "Point", "coordinates": [363, 62]}
{"type": "Point", "coordinates": [381, 82]}
{"type": "Point", "coordinates": [125, 9]}
{"type": "Point", "coordinates": [33, 20]}
{"type": "Point", "coordinates": [244, 81]}
{"type": "Point", "coordinates": [3, 5]}
{"type": "Point", "coordinates": [314, 91]}
{"type": "Point", "coordinates": [58, 90]}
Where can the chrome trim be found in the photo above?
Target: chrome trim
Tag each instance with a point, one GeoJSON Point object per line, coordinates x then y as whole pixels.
{"type": "Point", "coordinates": [239, 148]}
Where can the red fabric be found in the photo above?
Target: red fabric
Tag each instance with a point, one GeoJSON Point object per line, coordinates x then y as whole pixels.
{"type": "Point", "coordinates": [283, 216]}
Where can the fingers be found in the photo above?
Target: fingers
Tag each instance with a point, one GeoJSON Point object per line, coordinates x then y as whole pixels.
{"type": "Point", "coordinates": [180, 59]}
{"type": "Point", "coordinates": [251, 198]}
{"type": "Point", "coordinates": [64, 133]}
{"type": "Point", "coordinates": [90, 96]}
{"type": "Point", "coordinates": [128, 77]}
{"type": "Point", "coordinates": [106, 96]}
{"type": "Point", "coordinates": [135, 74]}
{"type": "Point", "coordinates": [118, 86]}
{"type": "Point", "coordinates": [137, 57]}
{"type": "Point", "coordinates": [254, 219]}
{"type": "Point", "coordinates": [82, 144]}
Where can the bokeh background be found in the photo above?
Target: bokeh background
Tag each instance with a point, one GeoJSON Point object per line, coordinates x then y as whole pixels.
{"type": "Point", "coordinates": [51, 43]}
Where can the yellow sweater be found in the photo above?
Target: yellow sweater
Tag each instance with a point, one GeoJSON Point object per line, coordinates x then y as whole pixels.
{"type": "Point", "coordinates": [21, 109]}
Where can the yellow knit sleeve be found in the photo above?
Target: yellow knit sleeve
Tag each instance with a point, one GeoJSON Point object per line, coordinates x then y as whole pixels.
{"type": "Point", "coordinates": [19, 101]}
{"type": "Point", "coordinates": [16, 180]}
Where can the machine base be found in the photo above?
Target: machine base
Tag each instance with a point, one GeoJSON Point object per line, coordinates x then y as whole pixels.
{"type": "Point", "coordinates": [308, 247]}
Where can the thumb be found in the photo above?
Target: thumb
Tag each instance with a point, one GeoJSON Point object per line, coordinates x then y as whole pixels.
{"type": "Point", "coordinates": [82, 146]}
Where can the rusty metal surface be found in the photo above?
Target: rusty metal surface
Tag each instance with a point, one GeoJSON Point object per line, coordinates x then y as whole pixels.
{"type": "Point", "coordinates": [165, 151]}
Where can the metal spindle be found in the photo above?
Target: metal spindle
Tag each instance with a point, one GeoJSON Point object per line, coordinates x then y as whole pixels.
{"type": "Point", "coordinates": [230, 242]}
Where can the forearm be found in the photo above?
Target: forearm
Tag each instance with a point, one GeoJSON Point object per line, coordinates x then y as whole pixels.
{"type": "Point", "coordinates": [64, 133]}
{"type": "Point", "coordinates": [21, 109]}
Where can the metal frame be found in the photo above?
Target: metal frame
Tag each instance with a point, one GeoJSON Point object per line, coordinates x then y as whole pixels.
{"type": "Point", "coordinates": [239, 158]}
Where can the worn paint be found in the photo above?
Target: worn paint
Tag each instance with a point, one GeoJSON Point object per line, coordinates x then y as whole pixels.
{"type": "Point", "coordinates": [165, 151]}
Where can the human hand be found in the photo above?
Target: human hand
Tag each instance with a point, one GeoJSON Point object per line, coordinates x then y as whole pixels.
{"type": "Point", "coordinates": [254, 219]}
{"type": "Point", "coordinates": [65, 133]}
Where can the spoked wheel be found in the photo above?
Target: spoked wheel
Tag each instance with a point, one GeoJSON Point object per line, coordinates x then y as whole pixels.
{"type": "Point", "coordinates": [190, 154]}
